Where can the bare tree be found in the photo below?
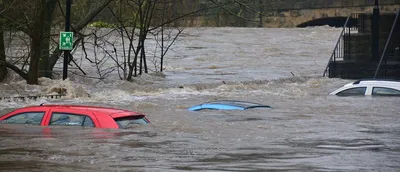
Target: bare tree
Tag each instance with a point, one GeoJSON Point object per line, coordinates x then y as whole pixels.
{"type": "Point", "coordinates": [246, 12]}
{"type": "Point", "coordinates": [37, 37]}
{"type": "Point", "coordinates": [3, 67]}
{"type": "Point", "coordinates": [44, 68]}
{"type": "Point", "coordinates": [36, 26]}
{"type": "Point", "coordinates": [78, 27]}
{"type": "Point", "coordinates": [137, 21]}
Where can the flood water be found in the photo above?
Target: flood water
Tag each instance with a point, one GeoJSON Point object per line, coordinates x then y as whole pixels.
{"type": "Point", "coordinates": [306, 130]}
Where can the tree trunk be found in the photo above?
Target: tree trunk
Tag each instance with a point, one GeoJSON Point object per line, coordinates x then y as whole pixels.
{"type": "Point", "coordinates": [261, 14]}
{"type": "Point", "coordinates": [36, 41]}
{"type": "Point", "coordinates": [3, 67]}
{"type": "Point", "coordinates": [35, 31]}
{"type": "Point", "coordinates": [45, 69]}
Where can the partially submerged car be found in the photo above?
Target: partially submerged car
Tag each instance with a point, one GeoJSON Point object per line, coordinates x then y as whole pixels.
{"type": "Point", "coordinates": [74, 115]}
{"type": "Point", "coordinates": [227, 105]}
{"type": "Point", "coordinates": [369, 87]}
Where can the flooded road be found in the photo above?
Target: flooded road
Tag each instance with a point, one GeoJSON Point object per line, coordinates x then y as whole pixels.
{"type": "Point", "coordinates": [306, 130]}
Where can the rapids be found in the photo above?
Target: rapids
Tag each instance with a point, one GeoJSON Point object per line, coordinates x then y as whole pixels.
{"type": "Point", "coordinates": [306, 130]}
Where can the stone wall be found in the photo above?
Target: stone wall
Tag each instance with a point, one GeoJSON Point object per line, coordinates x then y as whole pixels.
{"type": "Point", "coordinates": [357, 46]}
{"type": "Point", "coordinates": [293, 18]}
{"type": "Point", "coordinates": [291, 13]}
{"type": "Point", "coordinates": [315, 4]}
{"type": "Point", "coordinates": [286, 13]}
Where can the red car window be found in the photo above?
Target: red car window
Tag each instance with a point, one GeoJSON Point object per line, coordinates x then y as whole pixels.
{"type": "Point", "coordinates": [69, 119]}
{"type": "Point", "coordinates": [33, 118]}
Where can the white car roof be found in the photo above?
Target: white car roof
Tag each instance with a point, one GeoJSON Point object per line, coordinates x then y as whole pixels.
{"type": "Point", "coordinates": [375, 83]}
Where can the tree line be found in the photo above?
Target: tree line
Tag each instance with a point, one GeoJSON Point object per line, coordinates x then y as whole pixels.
{"type": "Point", "coordinates": [29, 32]}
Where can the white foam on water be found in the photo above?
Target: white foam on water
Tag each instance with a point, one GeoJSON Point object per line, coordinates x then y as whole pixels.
{"type": "Point", "coordinates": [222, 55]}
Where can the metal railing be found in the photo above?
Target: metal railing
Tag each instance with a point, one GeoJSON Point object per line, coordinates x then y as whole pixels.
{"type": "Point", "coordinates": [50, 96]}
{"type": "Point", "coordinates": [338, 51]}
{"type": "Point", "coordinates": [387, 43]}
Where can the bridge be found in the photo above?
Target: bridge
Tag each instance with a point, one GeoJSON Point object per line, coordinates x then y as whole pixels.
{"type": "Point", "coordinates": [303, 13]}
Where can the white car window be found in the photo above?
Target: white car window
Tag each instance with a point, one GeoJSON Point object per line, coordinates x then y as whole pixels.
{"type": "Point", "coordinates": [382, 91]}
{"type": "Point", "coordinates": [356, 91]}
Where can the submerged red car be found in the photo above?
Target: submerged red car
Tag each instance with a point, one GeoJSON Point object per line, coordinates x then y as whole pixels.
{"type": "Point", "coordinates": [74, 115]}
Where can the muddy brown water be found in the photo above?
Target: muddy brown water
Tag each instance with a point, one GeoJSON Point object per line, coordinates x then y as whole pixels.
{"type": "Point", "coordinates": [306, 129]}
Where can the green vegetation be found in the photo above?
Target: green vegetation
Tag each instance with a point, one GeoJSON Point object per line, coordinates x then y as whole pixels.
{"type": "Point", "coordinates": [101, 24]}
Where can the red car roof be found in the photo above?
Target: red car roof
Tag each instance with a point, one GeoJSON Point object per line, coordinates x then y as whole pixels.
{"type": "Point", "coordinates": [104, 117]}
{"type": "Point", "coordinates": [103, 110]}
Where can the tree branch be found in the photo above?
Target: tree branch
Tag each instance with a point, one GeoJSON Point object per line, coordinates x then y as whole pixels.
{"type": "Point", "coordinates": [17, 70]}
{"type": "Point", "coordinates": [78, 27]}
{"type": "Point", "coordinates": [230, 12]}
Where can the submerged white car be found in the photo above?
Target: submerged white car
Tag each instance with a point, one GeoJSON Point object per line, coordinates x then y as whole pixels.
{"type": "Point", "coordinates": [369, 87]}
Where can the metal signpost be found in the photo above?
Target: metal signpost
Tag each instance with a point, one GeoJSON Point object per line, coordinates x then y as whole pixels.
{"type": "Point", "coordinates": [66, 38]}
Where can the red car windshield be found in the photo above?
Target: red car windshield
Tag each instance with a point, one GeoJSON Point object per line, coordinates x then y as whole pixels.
{"type": "Point", "coordinates": [128, 121]}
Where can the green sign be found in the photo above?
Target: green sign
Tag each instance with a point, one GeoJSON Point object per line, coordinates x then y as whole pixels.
{"type": "Point", "coordinates": [66, 40]}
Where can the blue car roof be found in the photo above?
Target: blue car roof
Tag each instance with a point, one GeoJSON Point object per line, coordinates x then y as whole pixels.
{"type": "Point", "coordinates": [227, 105]}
